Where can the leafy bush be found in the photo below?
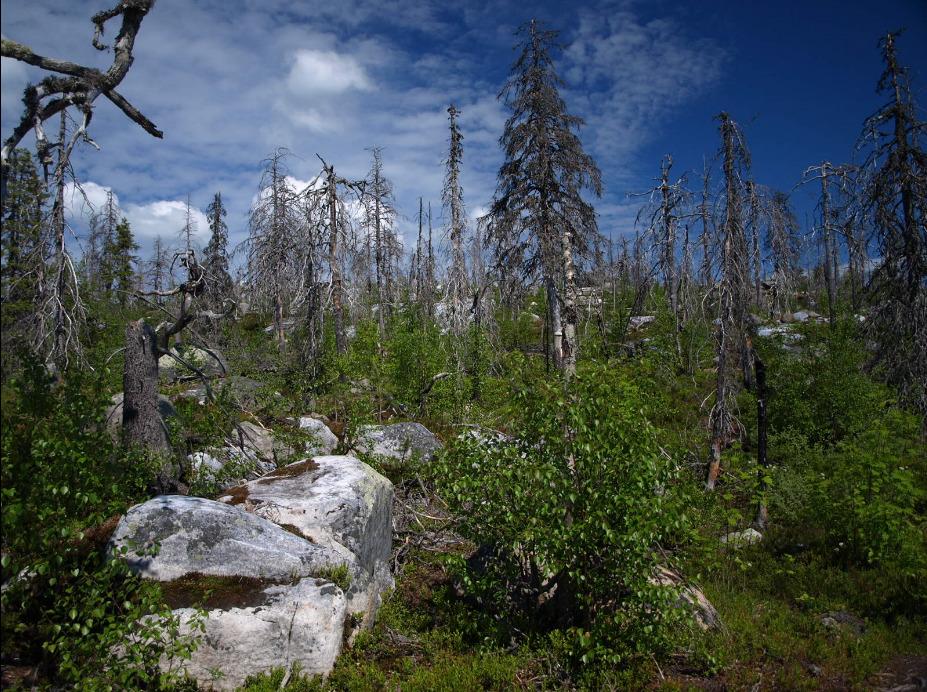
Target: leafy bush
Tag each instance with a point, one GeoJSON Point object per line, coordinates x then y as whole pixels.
{"type": "Point", "coordinates": [571, 514]}
{"type": "Point", "coordinates": [849, 464]}
{"type": "Point", "coordinates": [68, 607]}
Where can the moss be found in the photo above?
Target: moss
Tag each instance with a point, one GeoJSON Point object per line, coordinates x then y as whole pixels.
{"type": "Point", "coordinates": [290, 471]}
{"type": "Point", "coordinates": [238, 494]}
{"type": "Point", "coordinates": [216, 593]}
{"type": "Point", "coordinates": [338, 575]}
{"type": "Point", "coordinates": [296, 532]}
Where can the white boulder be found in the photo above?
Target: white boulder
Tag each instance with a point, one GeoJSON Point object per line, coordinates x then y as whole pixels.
{"type": "Point", "coordinates": [401, 441]}
{"type": "Point", "coordinates": [324, 441]}
{"type": "Point", "coordinates": [302, 623]}
{"type": "Point", "coordinates": [339, 503]}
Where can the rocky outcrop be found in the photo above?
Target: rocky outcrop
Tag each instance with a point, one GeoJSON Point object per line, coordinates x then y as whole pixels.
{"type": "Point", "coordinates": [323, 441]}
{"type": "Point", "coordinates": [210, 364]}
{"type": "Point", "coordinates": [261, 442]}
{"type": "Point", "coordinates": [336, 502]}
{"type": "Point", "coordinates": [284, 624]}
{"type": "Point", "coordinates": [273, 594]}
{"type": "Point", "coordinates": [740, 539]}
{"type": "Point", "coordinates": [690, 597]}
{"type": "Point", "coordinates": [401, 441]}
{"type": "Point", "coordinates": [171, 536]}
{"type": "Point", "coordinates": [226, 467]}
{"type": "Point", "coordinates": [636, 322]}
{"type": "Point", "coordinates": [241, 390]}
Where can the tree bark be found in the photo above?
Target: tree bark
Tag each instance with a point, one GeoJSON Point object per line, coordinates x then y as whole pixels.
{"type": "Point", "coordinates": [141, 421]}
{"type": "Point", "coordinates": [340, 341]}
{"type": "Point", "coordinates": [568, 341]}
{"type": "Point", "coordinates": [556, 327]}
{"type": "Point", "coordinates": [762, 512]}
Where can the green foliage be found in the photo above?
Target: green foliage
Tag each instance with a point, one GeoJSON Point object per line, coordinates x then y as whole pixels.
{"type": "Point", "coordinates": [849, 466]}
{"type": "Point", "coordinates": [580, 498]}
{"type": "Point", "coordinates": [68, 606]}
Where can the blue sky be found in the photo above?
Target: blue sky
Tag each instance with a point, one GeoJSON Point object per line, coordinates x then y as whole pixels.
{"type": "Point", "coordinates": [229, 81]}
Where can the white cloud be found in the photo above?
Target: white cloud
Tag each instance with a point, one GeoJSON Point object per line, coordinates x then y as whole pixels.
{"type": "Point", "coordinates": [82, 204]}
{"type": "Point", "coordinates": [626, 75]}
{"type": "Point", "coordinates": [318, 72]}
{"type": "Point", "coordinates": [229, 83]}
{"type": "Point", "coordinates": [164, 218]}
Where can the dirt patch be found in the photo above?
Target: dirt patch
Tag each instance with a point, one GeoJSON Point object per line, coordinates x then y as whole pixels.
{"type": "Point", "coordinates": [238, 495]}
{"type": "Point", "coordinates": [290, 471]}
{"type": "Point", "coordinates": [98, 536]}
{"type": "Point", "coordinates": [902, 673]}
{"type": "Point", "coordinates": [216, 593]}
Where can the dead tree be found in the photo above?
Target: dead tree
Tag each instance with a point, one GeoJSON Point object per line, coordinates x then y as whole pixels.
{"type": "Point", "coordinates": [782, 243]}
{"type": "Point", "coordinates": [667, 205]}
{"type": "Point", "coordinates": [380, 213]}
{"type": "Point", "coordinates": [273, 241]}
{"type": "Point", "coordinates": [828, 175]}
{"type": "Point", "coordinates": [335, 219]}
{"type": "Point", "coordinates": [77, 86]}
{"type": "Point", "coordinates": [732, 339]}
{"type": "Point", "coordinates": [142, 426]}
{"type": "Point", "coordinates": [755, 214]}
{"type": "Point", "coordinates": [707, 237]}
{"type": "Point", "coordinates": [457, 226]}
{"type": "Point", "coordinates": [895, 199]}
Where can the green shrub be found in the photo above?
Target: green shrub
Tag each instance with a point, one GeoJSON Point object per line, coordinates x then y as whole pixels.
{"type": "Point", "coordinates": [67, 606]}
{"type": "Point", "coordinates": [580, 499]}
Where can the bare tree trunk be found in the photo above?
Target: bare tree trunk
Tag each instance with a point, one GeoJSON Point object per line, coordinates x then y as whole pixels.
{"type": "Point", "coordinates": [762, 512]}
{"type": "Point", "coordinates": [340, 341]}
{"type": "Point", "coordinates": [568, 346]}
{"type": "Point", "coordinates": [829, 269]}
{"type": "Point", "coordinates": [556, 327]}
{"type": "Point", "coordinates": [378, 245]}
{"type": "Point", "coordinates": [141, 421]}
{"type": "Point", "coordinates": [669, 251]}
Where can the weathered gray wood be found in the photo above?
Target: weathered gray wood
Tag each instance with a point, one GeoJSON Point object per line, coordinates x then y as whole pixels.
{"type": "Point", "coordinates": [141, 423]}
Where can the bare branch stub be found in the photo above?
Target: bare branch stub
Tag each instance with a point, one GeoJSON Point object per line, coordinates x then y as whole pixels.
{"type": "Point", "coordinates": [76, 85]}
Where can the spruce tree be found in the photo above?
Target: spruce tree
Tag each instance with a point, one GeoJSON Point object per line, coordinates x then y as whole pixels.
{"type": "Point", "coordinates": [121, 261]}
{"type": "Point", "coordinates": [216, 259]}
{"type": "Point", "coordinates": [896, 199]}
{"type": "Point", "coordinates": [539, 217]}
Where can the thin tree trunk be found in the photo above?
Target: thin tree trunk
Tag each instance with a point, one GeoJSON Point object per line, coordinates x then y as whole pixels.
{"type": "Point", "coordinates": [829, 268]}
{"type": "Point", "coordinates": [556, 326]}
{"type": "Point", "coordinates": [762, 511]}
{"type": "Point", "coordinates": [568, 346]}
{"type": "Point", "coordinates": [340, 342]}
{"type": "Point", "coordinates": [141, 421]}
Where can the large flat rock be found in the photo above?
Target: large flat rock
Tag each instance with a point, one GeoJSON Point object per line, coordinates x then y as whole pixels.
{"type": "Point", "coordinates": [302, 623]}
{"type": "Point", "coordinates": [170, 536]}
{"type": "Point", "coordinates": [339, 503]}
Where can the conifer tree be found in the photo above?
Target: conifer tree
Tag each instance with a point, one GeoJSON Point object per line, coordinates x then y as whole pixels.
{"type": "Point", "coordinates": [216, 259]}
{"type": "Point", "coordinates": [733, 293]}
{"type": "Point", "coordinates": [457, 226]}
{"type": "Point", "coordinates": [539, 216]}
{"type": "Point", "coordinates": [121, 261]}
{"type": "Point", "coordinates": [23, 251]}
{"type": "Point", "coordinates": [22, 211]}
{"type": "Point", "coordinates": [895, 197]}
